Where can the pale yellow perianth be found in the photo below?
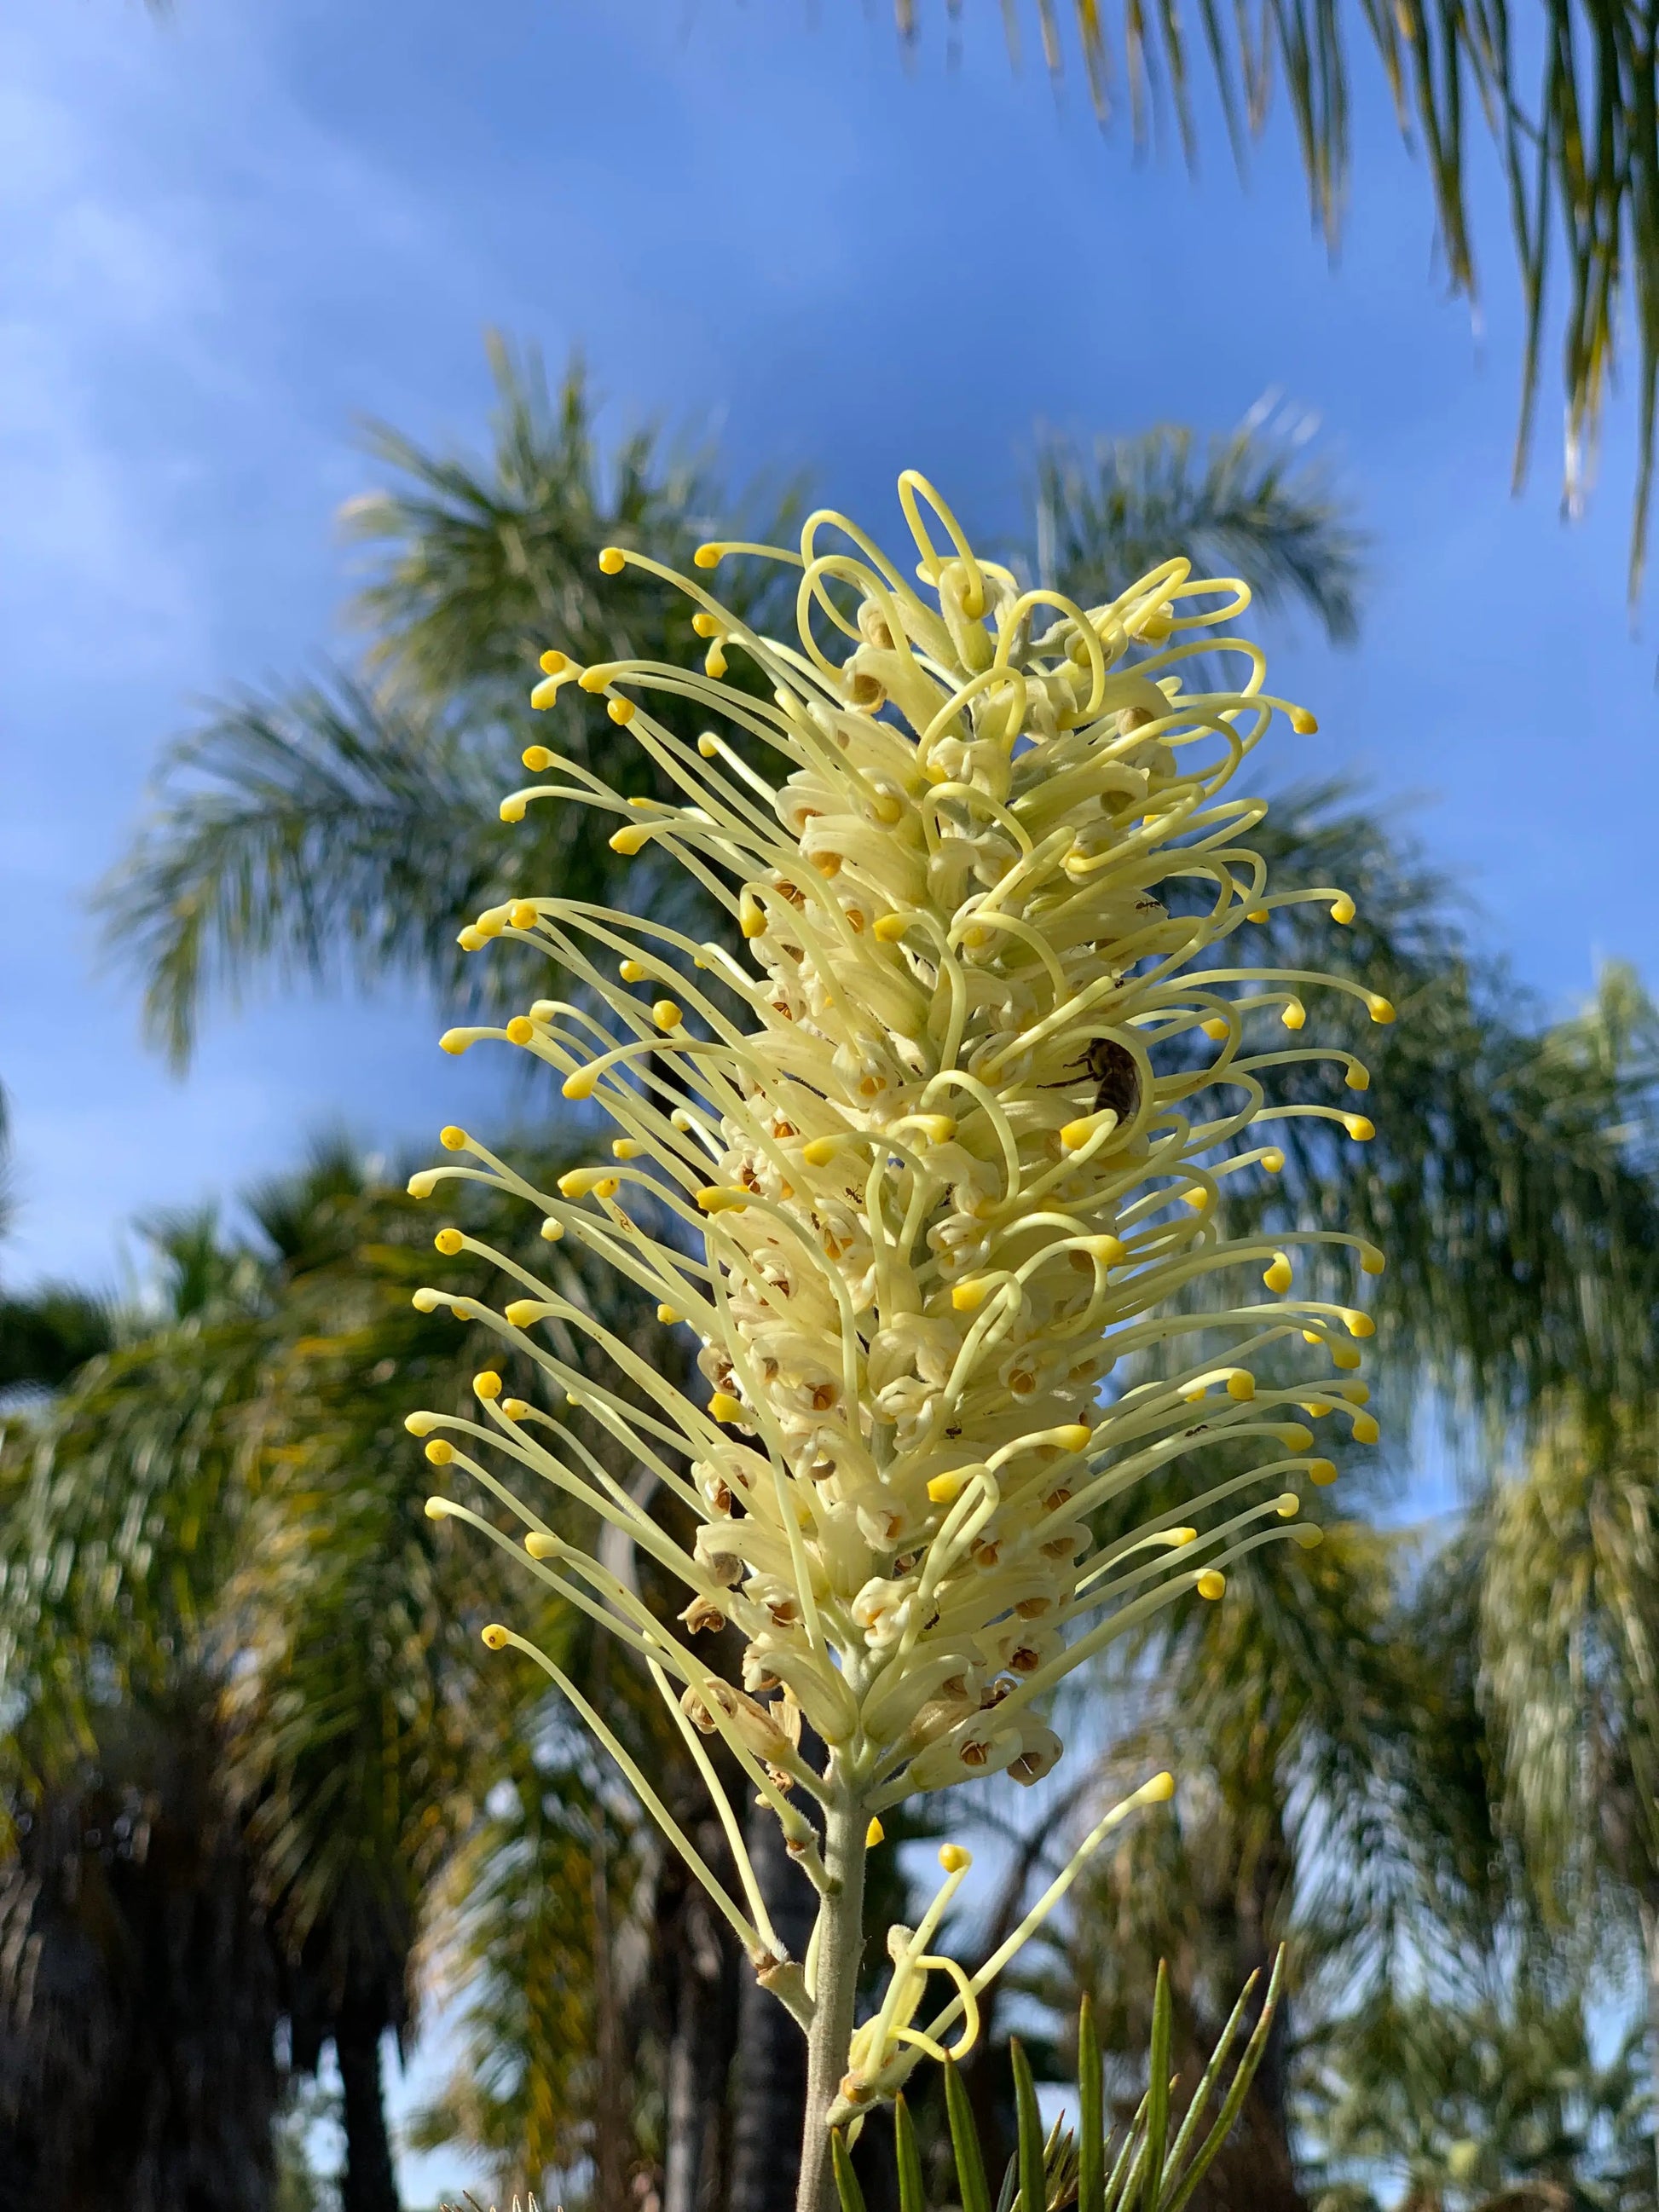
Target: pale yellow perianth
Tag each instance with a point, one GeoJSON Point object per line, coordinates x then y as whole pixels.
{"type": "Point", "coordinates": [947, 1147]}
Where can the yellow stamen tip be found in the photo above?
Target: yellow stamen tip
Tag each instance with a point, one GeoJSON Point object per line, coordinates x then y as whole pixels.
{"type": "Point", "coordinates": [1342, 909]}
{"type": "Point", "coordinates": [536, 759]}
{"type": "Point", "coordinates": [1359, 1128]}
{"type": "Point", "coordinates": [874, 1834]}
{"type": "Point", "coordinates": [954, 1859]}
{"type": "Point", "coordinates": [1158, 1791]}
{"type": "Point", "coordinates": [629, 839]}
{"type": "Point", "coordinates": [1295, 1015]}
{"type": "Point", "coordinates": [705, 624]}
{"type": "Point", "coordinates": [890, 927]}
{"type": "Point", "coordinates": [707, 556]}
{"type": "Point", "coordinates": [666, 1015]}
{"type": "Point", "coordinates": [1274, 1160]}
{"type": "Point", "coordinates": [581, 1083]}
{"type": "Point", "coordinates": [552, 1229]}
{"type": "Point", "coordinates": [1304, 724]}
{"type": "Point", "coordinates": [1256, 913]}
{"type": "Point", "coordinates": [487, 1385]}
{"type": "Point", "coordinates": [523, 914]}
{"type": "Point", "coordinates": [1295, 1437]}
{"type": "Point", "coordinates": [621, 710]}
{"type": "Point", "coordinates": [1366, 1430]}
{"type": "Point", "coordinates": [1287, 1505]}
{"type": "Point", "coordinates": [1241, 1385]}
{"type": "Point", "coordinates": [511, 810]}
{"type": "Point", "coordinates": [521, 1030]}
{"type": "Point", "coordinates": [668, 1315]}
{"type": "Point", "coordinates": [974, 1292]}
{"type": "Point", "coordinates": [494, 1637]}
{"type": "Point", "coordinates": [707, 746]}
{"type": "Point", "coordinates": [419, 1424]}
{"type": "Point", "coordinates": [1357, 1077]}
{"type": "Point", "coordinates": [1216, 1028]}
{"type": "Point", "coordinates": [1280, 1276]}
{"type": "Point", "coordinates": [514, 1408]}
{"type": "Point", "coordinates": [1360, 1324]}
{"type": "Point", "coordinates": [1343, 1355]}
{"type": "Point", "coordinates": [723, 1406]}
{"type": "Point", "coordinates": [1073, 1437]}
{"type": "Point", "coordinates": [820, 1151]}
{"type": "Point", "coordinates": [441, 1451]}
{"type": "Point", "coordinates": [455, 1042]}
{"type": "Point", "coordinates": [944, 1488]}
{"type": "Point", "coordinates": [1372, 1262]}
{"type": "Point", "coordinates": [722, 1198]}
{"type": "Point", "coordinates": [1381, 1009]}
{"type": "Point", "coordinates": [540, 1547]}
{"type": "Point", "coordinates": [552, 661]}
{"type": "Point", "coordinates": [449, 1241]}
{"type": "Point", "coordinates": [522, 1312]}
{"type": "Point", "coordinates": [612, 561]}
{"type": "Point", "coordinates": [422, 1183]}
{"type": "Point", "coordinates": [438, 1509]}
{"type": "Point", "coordinates": [1321, 1471]}
{"type": "Point", "coordinates": [452, 1139]}
{"type": "Point", "coordinates": [1211, 1583]}
{"type": "Point", "coordinates": [626, 1148]}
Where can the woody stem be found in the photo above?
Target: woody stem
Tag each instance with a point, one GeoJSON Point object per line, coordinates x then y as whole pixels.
{"type": "Point", "coordinates": [839, 1942]}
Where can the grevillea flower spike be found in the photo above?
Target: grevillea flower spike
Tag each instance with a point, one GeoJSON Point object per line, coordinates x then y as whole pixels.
{"type": "Point", "coordinates": [944, 1145]}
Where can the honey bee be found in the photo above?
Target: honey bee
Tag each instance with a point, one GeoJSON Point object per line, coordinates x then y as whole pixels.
{"type": "Point", "coordinates": [1116, 1078]}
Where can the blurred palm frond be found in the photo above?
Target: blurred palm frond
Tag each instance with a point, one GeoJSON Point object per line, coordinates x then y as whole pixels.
{"type": "Point", "coordinates": [1566, 93]}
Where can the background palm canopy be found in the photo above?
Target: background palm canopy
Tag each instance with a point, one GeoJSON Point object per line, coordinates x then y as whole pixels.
{"type": "Point", "coordinates": [1564, 89]}
{"type": "Point", "coordinates": [214, 1549]}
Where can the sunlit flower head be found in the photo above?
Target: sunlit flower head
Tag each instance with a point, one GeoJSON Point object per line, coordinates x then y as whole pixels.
{"type": "Point", "coordinates": [944, 1128]}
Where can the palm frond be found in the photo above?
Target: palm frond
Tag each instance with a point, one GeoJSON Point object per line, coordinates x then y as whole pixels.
{"type": "Point", "coordinates": [1245, 505]}
{"type": "Point", "coordinates": [334, 834]}
{"type": "Point", "coordinates": [1507, 1181]}
{"type": "Point", "coordinates": [1567, 98]}
{"type": "Point", "coordinates": [482, 564]}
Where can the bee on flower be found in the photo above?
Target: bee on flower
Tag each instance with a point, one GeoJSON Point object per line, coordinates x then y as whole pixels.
{"type": "Point", "coordinates": [941, 1139]}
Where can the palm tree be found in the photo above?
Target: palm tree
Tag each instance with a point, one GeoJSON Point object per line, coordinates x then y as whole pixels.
{"type": "Point", "coordinates": [1579, 155]}
{"type": "Point", "coordinates": [216, 1561]}
{"type": "Point", "coordinates": [342, 827]}
{"type": "Point", "coordinates": [1569, 1618]}
{"type": "Point", "coordinates": [1498, 2105]}
{"type": "Point", "coordinates": [1498, 1183]}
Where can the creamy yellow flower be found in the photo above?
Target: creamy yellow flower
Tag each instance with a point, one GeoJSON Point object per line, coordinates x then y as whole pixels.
{"type": "Point", "coordinates": [946, 1147]}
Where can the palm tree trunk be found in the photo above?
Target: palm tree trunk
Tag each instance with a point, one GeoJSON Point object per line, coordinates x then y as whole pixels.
{"type": "Point", "coordinates": [368, 2183]}
{"type": "Point", "coordinates": [610, 2121]}
{"type": "Point", "coordinates": [699, 2055]}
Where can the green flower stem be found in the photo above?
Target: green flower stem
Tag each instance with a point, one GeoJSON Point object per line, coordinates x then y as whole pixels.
{"type": "Point", "coordinates": [839, 1943]}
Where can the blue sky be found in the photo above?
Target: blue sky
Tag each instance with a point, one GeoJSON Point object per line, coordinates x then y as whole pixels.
{"type": "Point", "coordinates": [233, 231]}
